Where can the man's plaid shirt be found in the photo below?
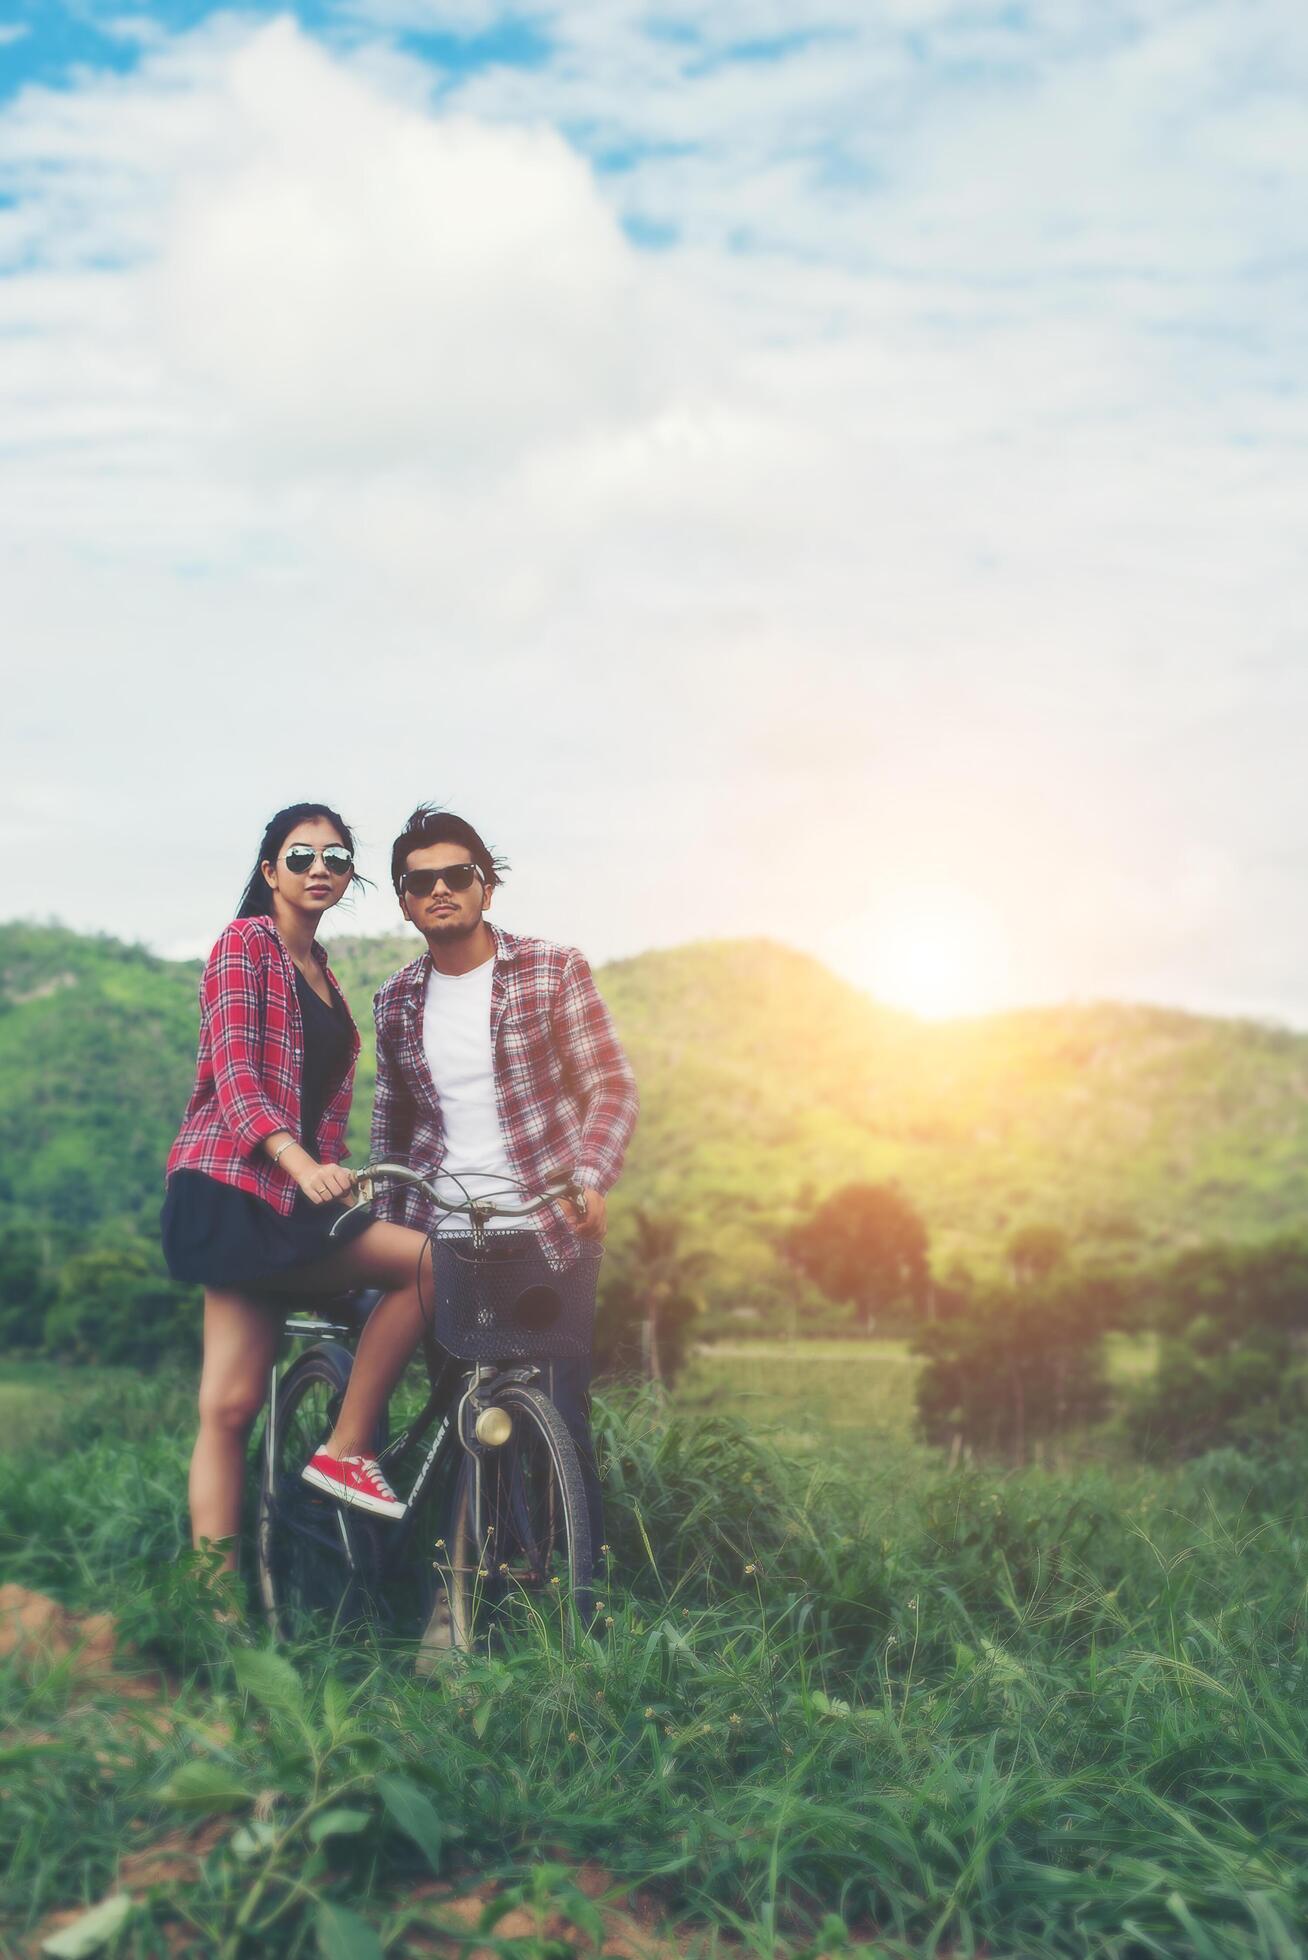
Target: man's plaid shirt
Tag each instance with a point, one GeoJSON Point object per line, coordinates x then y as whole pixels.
{"type": "Point", "coordinates": [251, 1061]}
{"type": "Point", "coordinates": [564, 1090]}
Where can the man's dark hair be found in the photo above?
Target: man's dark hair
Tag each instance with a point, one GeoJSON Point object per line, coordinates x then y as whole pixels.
{"type": "Point", "coordinates": [429, 824]}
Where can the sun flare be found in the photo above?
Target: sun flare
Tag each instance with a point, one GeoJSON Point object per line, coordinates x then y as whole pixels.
{"type": "Point", "coordinates": [936, 952]}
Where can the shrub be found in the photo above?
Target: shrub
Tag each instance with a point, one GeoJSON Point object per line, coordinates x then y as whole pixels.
{"type": "Point", "coordinates": [116, 1303]}
{"type": "Point", "coordinates": [1231, 1320]}
{"type": "Point", "coordinates": [1016, 1363]}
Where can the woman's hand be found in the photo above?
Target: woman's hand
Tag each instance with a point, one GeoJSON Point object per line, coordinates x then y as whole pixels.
{"type": "Point", "coordinates": [321, 1183]}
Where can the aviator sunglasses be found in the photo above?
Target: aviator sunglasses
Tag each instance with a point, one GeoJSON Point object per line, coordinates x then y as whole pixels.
{"type": "Point", "coordinates": [456, 877]}
{"type": "Point", "coordinates": [336, 859]}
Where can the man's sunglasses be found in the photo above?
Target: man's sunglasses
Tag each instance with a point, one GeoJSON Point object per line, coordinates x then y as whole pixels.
{"type": "Point", "coordinates": [336, 860]}
{"type": "Point", "coordinates": [421, 884]}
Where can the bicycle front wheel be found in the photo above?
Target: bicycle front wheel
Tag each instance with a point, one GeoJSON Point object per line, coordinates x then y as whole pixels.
{"type": "Point", "coordinates": [519, 1535]}
{"type": "Point", "coordinates": [315, 1557]}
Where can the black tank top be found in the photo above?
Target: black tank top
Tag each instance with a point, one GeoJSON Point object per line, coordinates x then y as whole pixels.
{"type": "Point", "coordinates": [327, 1051]}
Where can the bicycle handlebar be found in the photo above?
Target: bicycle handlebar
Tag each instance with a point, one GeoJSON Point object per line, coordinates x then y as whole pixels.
{"type": "Point", "coordinates": [474, 1208]}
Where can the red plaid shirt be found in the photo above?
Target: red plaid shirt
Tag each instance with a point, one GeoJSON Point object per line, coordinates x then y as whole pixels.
{"type": "Point", "coordinates": [247, 1079]}
{"type": "Point", "coordinates": [564, 1090]}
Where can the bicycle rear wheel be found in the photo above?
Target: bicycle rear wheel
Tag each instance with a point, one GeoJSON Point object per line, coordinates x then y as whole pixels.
{"type": "Point", "coordinates": [316, 1559]}
{"type": "Point", "coordinates": [527, 1543]}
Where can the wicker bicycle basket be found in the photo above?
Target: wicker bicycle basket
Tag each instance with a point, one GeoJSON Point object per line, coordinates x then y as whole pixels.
{"type": "Point", "coordinates": [499, 1299]}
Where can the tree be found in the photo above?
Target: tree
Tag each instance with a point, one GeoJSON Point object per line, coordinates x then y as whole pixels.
{"type": "Point", "coordinates": [1018, 1363]}
{"type": "Point", "coordinates": [116, 1303]}
{"type": "Point", "coordinates": [1231, 1322]}
{"type": "Point", "coordinates": [649, 1305]}
{"type": "Point", "coordinates": [1034, 1252]}
{"type": "Point", "coordinates": [865, 1244]}
{"type": "Point", "coordinates": [26, 1288]}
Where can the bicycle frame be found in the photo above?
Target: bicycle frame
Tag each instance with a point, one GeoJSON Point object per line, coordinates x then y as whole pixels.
{"type": "Point", "coordinates": [456, 1428]}
{"type": "Point", "coordinates": [299, 1325]}
{"type": "Point", "coordinates": [479, 1375]}
{"type": "Point", "coordinates": [445, 1424]}
{"type": "Point", "coordinates": [455, 1425]}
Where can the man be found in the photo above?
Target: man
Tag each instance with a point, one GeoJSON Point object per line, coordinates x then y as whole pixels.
{"type": "Point", "coordinates": [496, 1055]}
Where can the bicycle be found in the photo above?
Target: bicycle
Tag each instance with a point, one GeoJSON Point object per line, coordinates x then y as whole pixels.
{"type": "Point", "coordinates": [496, 1512]}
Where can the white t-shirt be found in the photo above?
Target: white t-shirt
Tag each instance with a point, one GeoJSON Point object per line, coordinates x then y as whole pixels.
{"type": "Point", "coordinates": [456, 1035]}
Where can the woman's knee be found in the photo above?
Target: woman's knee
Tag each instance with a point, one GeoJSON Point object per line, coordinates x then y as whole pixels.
{"type": "Point", "coordinates": [231, 1406]}
{"type": "Point", "coordinates": [395, 1259]}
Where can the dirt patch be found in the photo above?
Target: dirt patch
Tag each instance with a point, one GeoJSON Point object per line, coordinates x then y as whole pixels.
{"type": "Point", "coordinates": [172, 1860]}
{"type": "Point", "coordinates": [38, 1631]}
{"type": "Point", "coordinates": [162, 1868]}
{"type": "Point", "coordinates": [33, 1623]}
{"type": "Point", "coordinates": [632, 1927]}
{"type": "Point", "coordinates": [441, 1918]}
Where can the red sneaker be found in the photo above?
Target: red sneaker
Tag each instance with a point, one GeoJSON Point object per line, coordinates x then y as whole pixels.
{"type": "Point", "coordinates": [355, 1480]}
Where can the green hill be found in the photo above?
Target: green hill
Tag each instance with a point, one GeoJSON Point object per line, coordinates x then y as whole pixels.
{"type": "Point", "coordinates": [765, 1082]}
{"type": "Point", "coordinates": [97, 1052]}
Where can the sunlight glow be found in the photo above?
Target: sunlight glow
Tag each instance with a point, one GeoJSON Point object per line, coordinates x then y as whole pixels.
{"type": "Point", "coordinates": [936, 951]}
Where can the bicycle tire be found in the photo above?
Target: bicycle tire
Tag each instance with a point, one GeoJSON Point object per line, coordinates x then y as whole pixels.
{"type": "Point", "coordinates": [316, 1559]}
{"type": "Point", "coordinates": [535, 1520]}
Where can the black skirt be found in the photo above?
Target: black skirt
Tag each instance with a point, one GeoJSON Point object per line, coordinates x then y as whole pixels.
{"type": "Point", "coordinates": [215, 1235]}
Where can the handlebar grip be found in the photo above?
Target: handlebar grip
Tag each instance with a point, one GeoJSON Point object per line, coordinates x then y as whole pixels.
{"type": "Point", "coordinates": [558, 1184]}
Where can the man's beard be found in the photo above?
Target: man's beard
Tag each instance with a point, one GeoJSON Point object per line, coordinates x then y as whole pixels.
{"type": "Point", "coordinates": [453, 928]}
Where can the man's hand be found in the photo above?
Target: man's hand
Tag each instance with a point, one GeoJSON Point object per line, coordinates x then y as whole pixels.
{"type": "Point", "coordinates": [593, 1223]}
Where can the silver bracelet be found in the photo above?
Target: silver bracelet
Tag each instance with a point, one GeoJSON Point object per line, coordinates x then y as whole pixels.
{"type": "Point", "coordinates": [279, 1153]}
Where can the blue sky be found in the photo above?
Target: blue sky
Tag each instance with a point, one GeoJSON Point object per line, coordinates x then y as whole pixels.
{"type": "Point", "coordinates": [57, 45]}
{"type": "Point", "coordinates": [53, 43]}
{"type": "Point", "coordinates": [864, 429]}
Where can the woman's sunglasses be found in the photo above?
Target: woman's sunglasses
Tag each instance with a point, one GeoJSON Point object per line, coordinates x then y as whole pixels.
{"type": "Point", "coordinates": [336, 859]}
{"type": "Point", "coordinates": [456, 877]}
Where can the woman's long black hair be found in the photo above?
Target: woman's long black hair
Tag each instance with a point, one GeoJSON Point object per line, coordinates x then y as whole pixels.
{"type": "Point", "coordinates": [257, 897]}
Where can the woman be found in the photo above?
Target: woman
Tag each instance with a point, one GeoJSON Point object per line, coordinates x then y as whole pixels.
{"type": "Point", "coordinates": [255, 1182]}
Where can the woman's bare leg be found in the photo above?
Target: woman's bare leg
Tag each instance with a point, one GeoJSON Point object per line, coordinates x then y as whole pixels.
{"type": "Point", "coordinates": [389, 1256]}
{"type": "Point", "coordinates": [240, 1343]}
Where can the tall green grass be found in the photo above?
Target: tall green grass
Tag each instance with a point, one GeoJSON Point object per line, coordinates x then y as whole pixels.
{"type": "Point", "coordinates": [834, 1697]}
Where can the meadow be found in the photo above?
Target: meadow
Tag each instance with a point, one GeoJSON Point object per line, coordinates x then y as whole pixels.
{"type": "Point", "coordinates": [844, 1698]}
{"type": "Point", "coordinates": [819, 1395]}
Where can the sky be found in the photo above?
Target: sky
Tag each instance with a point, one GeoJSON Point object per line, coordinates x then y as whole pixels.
{"type": "Point", "coordinates": [833, 471]}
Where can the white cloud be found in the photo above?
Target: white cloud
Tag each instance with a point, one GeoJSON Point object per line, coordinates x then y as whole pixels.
{"type": "Point", "coordinates": [363, 283]}
{"type": "Point", "coordinates": [955, 529]}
